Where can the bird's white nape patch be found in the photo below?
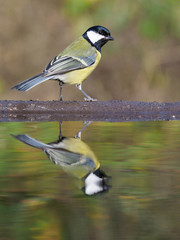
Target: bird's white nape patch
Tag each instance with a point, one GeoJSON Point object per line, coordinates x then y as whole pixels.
{"type": "Point", "coordinates": [94, 37]}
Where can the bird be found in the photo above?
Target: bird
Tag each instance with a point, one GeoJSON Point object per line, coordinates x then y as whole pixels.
{"type": "Point", "coordinates": [74, 64]}
{"type": "Point", "coordinates": [75, 157]}
{"type": "Point", "coordinates": [72, 154]}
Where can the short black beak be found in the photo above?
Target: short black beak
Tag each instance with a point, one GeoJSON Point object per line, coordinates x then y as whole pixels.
{"type": "Point", "coordinates": [109, 38]}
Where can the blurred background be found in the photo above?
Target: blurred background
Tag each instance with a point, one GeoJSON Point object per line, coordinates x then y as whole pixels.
{"type": "Point", "coordinates": [143, 63]}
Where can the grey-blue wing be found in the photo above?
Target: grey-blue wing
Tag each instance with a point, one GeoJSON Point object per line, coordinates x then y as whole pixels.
{"type": "Point", "coordinates": [64, 64]}
{"type": "Point", "coordinates": [62, 157]}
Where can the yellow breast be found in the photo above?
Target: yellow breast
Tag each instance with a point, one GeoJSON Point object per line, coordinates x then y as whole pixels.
{"type": "Point", "coordinates": [78, 76]}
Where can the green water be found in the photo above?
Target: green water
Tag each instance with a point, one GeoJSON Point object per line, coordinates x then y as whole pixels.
{"type": "Point", "coordinates": [138, 197]}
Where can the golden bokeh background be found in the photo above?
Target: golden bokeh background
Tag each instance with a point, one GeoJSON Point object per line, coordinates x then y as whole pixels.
{"type": "Point", "coordinates": [143, 63]}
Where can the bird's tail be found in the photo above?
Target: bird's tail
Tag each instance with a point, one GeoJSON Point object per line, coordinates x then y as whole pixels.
{"type": "Point", "coordinates": [31, 141]}
{"type": "Point", "coordinates": [31, 82]}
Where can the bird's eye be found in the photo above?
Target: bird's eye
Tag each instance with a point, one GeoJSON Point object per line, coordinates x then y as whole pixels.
{"type": "Point", "coordinates": [102, 32]}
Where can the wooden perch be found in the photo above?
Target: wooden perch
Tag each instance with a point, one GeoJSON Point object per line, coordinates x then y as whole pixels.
{"type": "Point", "coordinates": [113, 111]}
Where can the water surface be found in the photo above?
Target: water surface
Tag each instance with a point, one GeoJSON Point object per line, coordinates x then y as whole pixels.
{"type": "Point", "coordinates": [136, 193]}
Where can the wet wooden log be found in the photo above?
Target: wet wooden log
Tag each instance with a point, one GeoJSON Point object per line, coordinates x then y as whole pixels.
{"type": "Point", "coordinates": [112, 111]}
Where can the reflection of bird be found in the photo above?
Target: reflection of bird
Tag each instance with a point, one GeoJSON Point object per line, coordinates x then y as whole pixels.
{"type": "Point", "coordinates": [76, 158]}
{"type": "Point", "coordinates": [75, 63]}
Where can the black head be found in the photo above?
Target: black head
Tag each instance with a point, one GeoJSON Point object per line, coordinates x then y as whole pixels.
{"type": "Point", "coordinates": [97, 36]}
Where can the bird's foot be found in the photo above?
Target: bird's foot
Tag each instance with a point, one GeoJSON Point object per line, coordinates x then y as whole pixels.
{"type": "Point", "coordinates": [89, 99]}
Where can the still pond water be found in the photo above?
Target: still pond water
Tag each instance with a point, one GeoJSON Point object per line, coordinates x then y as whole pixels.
{"type": "Point", "coordinates": [118, 181]}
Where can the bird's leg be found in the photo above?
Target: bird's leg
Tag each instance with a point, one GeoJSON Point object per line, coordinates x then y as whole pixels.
{"type": "Point", "coordinates": [78, 135]}
{"type": "Point", "coordinates": [60, 131]}
{"type": "Point", "coordinates": [60, 84]}
{"type": "Point", "coordinates": [87, 98]}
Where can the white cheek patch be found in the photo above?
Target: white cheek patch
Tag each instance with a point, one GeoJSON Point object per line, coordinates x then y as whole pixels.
{"type": "Point", "coordinates": [94, 37]}
{"type": "Point", "coordinates": [93, 184]}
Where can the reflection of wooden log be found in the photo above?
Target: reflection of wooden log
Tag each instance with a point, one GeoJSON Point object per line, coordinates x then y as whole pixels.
{"type": "Point", "coordinates": [91, 111]}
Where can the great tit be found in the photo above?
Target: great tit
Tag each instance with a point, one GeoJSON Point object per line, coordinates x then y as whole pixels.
{"type": "Point", "coordinates": [75, 63]}
{"type": "Point", "coordinates": [76, 158]}
{"type": "Point", "coordinates": [71, 154]}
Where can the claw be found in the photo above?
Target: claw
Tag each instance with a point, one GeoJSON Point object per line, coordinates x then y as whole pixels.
{"type": "Point", "coordinates": [90, 99]}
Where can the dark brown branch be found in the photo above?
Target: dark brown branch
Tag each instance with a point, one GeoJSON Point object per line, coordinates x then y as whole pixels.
{"type": "Point", "coordinates": [89, 111]}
